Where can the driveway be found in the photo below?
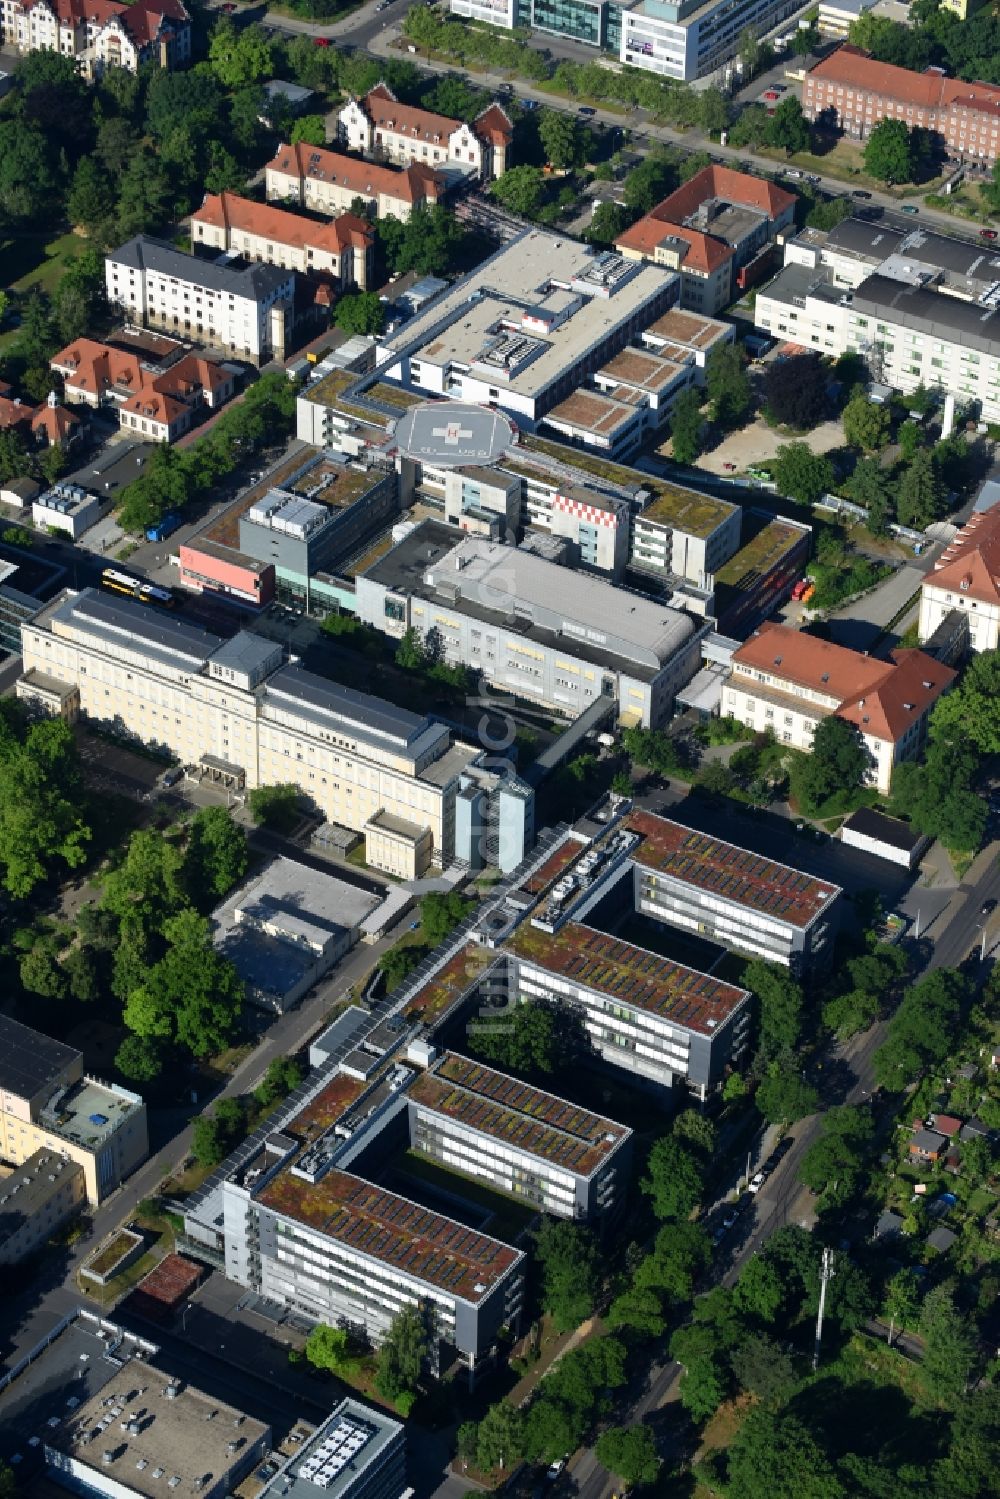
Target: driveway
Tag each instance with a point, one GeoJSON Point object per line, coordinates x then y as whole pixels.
{"type": "Point", "coordinates": [859, 624]}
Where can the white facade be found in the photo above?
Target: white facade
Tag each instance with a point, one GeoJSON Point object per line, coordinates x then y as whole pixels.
{"type": "Point", "coordinates": [937, 601]}
{"type": "Point", "coordinates": [243, 312]}
{"type": "Point", "coordinates": [688, 39]}
{"type": "Point", "coordinates": [67, 508]}
{"type": "Point", "coordinates": [111, 36]}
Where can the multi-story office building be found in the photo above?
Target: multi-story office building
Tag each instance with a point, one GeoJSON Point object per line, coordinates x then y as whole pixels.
{"type": "Point", "coordinates": [527, 326]}
{"type": "Point", "coordinates": [560, 1158]}
{"type": "Point", "coordinates": [732, 895]}
{"type": "Point", "coordinates": [659, 1020]}
{"type": "Point", "coordinates": [344, 249]}
{"type": "Point", "coordinates": [102, 34]}
{"type": "Point", "coordinates": [854, 92]}
{"type": "Point", "coordinates": [708, 231]}
{"type": "Point", "coordinates": [301, 536]}
{"type": "Point", "coordinates": [966, 579]}
{"type": "Point", "coordinates": [356, 1453]}
{"type": "Point", "coordinates": [233, 712]}
{"type": "Point", "coordinates": [785, 681]}
{"type": "Point", "coordinates": [681, 534]}
{"type": "Point", "coordinates": [681, 39]}
{"type": "Point", "coordinates": [306, 1232]}
{"type": "Point", "coordinates": [687, 338]}
{"type": "Point", "coordinates": [380, 126]}
{"type": "Point", "coordinates": [543, 632]}
{"type": "Point", "coordinates": [330, 182]}
{"type": "Point", "coordinates": [761, 575]}
{"type": "Point", "coordinates": [247, 312]}
{"type": "Point", "coordinates": [47, 1103]}
{"type": "Point", "coordinates": [43, 1193]}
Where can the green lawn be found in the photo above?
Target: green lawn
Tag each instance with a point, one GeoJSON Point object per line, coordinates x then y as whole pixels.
{"type": "Point", "coordinates": [30, 260]}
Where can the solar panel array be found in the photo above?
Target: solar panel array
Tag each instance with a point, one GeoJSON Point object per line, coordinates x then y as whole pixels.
{"type": "Point", "coordinates": [398, 1232]}
{"type": "Point", "coordinates": [724, 869]}
{"type": "Point", "coordinates": [511, 1111]}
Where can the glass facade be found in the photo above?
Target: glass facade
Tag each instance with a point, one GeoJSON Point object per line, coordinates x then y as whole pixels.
{"type": "Point", "coordinates": [581, 20]}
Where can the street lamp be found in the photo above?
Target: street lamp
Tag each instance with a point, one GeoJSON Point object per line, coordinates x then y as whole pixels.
{"type": "Point", "coordinates": [981, 927]}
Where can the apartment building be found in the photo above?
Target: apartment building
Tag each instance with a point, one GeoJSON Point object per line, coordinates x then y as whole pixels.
{"type": "Point", "coordinates": [342, 250]}
{"type": "Point", "coordinates": [708, 231]}
{"type": "Point", "coordinates": [246, 312]}
{"type": "Point", "coordinates": [48, 1103]}
{"type": "Point", "coordinates": [100, 34]}
{"type": "Point", "coordinates": [305, 1231]}
{"type": "Point", "coordinates": [558, 1157]}
{"type": "Point", "coordinates": [966, 578]}
{"type": "Point", "coordinates": [854, 92]}
{"type": "Point", "coordinates": [785, 681]}
{"type": "Point", "coordinates": [544, 632]}
{"type": "Point", "coordinates": [158, 404]}
{"type": "Point", "coordinates": [732, 895]}
{"type": "Point", "coordinates": [381, 127]}
{"type": "Point", "coordinates": [332, 183]}
{"type": "Point", "coordinates": [528, 326]}
{"type": "Point", "coordinates": [679, 533]}
{"type": "Point", "coordinates": [36, 1199]}
{"type": "Point", "coordinates": [661, 1021]}
{"type": "Point", "coordinates": [233, 712]}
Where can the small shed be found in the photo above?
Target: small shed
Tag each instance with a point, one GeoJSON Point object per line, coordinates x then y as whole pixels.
{"type": "Point", "coordinates": [941, 1239]}
{"type": "Point", "coordinates": [885, 837]}
{"type": "Point", "coordinates": [889, 1226]}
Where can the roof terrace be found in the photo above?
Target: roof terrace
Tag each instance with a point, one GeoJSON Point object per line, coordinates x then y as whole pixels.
{"type": "Point", "coordinates": [631, 975]}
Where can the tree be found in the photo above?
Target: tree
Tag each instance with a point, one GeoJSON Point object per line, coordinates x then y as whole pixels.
{"type": "Point", "coordinates": [570, 1269]}
{"type": "Point", "coordinates": [144, 195]}
{"type": "Point", "coordinates": [801, 474]}
{"type": "Point", "coordinates": [673, 1179]}
{"type": "Point", "coordinates": [563, 138]}
{"type": "Point", "coordinates": [42, 805]}
{"type": "Point", "coordinates": [920, 497]}
{"type": "Point", "coordinates": [609, 220]}
{"type": "Point", "coordinates": [781, 1000]}
{"type": "Point", "coordinates": [551, 1429]}
{"type": "Point", "coordinates": [217, 1133]}
{"type": "Point", "coordinates": [761, 1366]}
{"type": "Point", "coordinates": [276, 807]}
{"type": "Point", "coordinates": [752, 127]}
{"type": "Point", "coordinates": [774, 1456]}
{"type": "Point", "coordinates": [685, 427]}
{"type": "Point", "coordinates": [410, 653]}
{"type": "Point", "coordinates": [500, 1437]}
{"type": "Point", "coordinates": [440, 913]}
{"type": "Point", "coordinates": [972, 710]}
{"type": "Point", "coordinates": [866, 424]}
{"type": "Point", "coordinates": [87, 203]}
{"type": "Point", "coordinates": [331, 1348]}
{"type": "Point", "coordinates": [630, 1452]}
{"type": "Point", "coordinates": [868, 486]}
{"type": "Point", "coordinates": [703, 1383]}
{"type": "Point", "coordinates": [910, 439]}
{"type": "Point", "coordinates": [969, 1470]}
{"type": "Point", "coordinates": [396, 964]}
{"type": "Point", "coordinates": [360, 312]}
{"type": "Point", "coordinates": [760, 1291]}
{"type": "Point", "coordinates": [40, 973]}
{"type": "Point", "coordinates": [681, 1251]}
{"type": "Point", "coordinates": [833, 1164]}
{"type": "Point", "coordinates": [30, 186]}
{"type": "Point", "coordinates": [282, 1077]}
{"type": "Point", "coordinates": [81, 974]}
{"type": "Point", "coordinates": [649, 182]}
{"type": "Point", "coordinates": [217, 855]}
{"type": "Point", "coordinates": [531, 1042]}
{"type": "Point", "coordinates": [789, 128]}
{"type": "Point", "coordinates": [902, 1299]}
{"type": "Point", "coordinates": [889, 153]}
{"type": "Point", "coordinates": [838, 763]}
{"type": "Point", "coordinates": [147, 886]}
{"type": "Point", "coordinates": [640, 1310]}
{"type": "Point", "coordinates": [401, 1356]}
{"type": "Point", "coordinates": [139, 1059]}
{"type": "Point", "coordinates": [193, 996]}
{"type": "Point", "coordinates": [520, 190]}
{"type": "Point", "coordinates": [784, 1096]}
{"type": "Point", "coordinates": [795, 391]}
{"type": "Point", "coordinates": [692, 1126]}
{"type": "Point", "coordinates": [949, 1345]}
{"type": "Point", "coordinates": [310, 129]}
{"type": "Point", "coordinates": [239, 57]}
{"type": "Point", "coordinates": [727, 385]}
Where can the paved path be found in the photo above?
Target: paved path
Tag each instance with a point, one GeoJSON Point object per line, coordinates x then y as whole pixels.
{"type": "Point", "coordinates": [860, 623]}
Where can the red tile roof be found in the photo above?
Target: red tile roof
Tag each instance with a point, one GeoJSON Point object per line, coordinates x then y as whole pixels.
{"type": "Point", "coordinates": [849, 65]}
{"type": "Point", "coordinates": [14, 413]}
{"type": "Point", "coordinates": [230, 211]}
{"type": "Point", "coordinates": [55, 421]}
{"type": "Point", "coordinates": [142, 20]}
{"type": "Point", "coordinates": [99, 369]}
{"type": "Point", "coordinates": [971, 563]}
{"type": "Point", "coordinates": [155, 405]}
{"type": "Point", "coordinates": [883, 698]}
{"type": "Point", "coordinates": [704, 254]}
{"type": "Point", "coordinates": [411, 184]}
{"type": "Point", "coordinates": [387, 113]}
{"type": "Point", "coordinates": [494, 125]}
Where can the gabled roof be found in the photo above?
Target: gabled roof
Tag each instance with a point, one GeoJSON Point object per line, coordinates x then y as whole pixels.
{"type": "Point", "coordinates": [155, 405]}
{"type": "Point", "coordinates": [494, 125]}
{"type": "Point", "coordinates": [55, 421]}
{"type": "Point", "coordinates": [851, 66]}
{"type": "Point", "coordinates": [14, 413]}
{"type": "Point", "coordinates": [881, 698]}
{"type": "Point", "coordinates": [412, 184]}
{"type": "Point", "coordinates": [230, 211]}
{"type": "Point", "coordinates": [970, 564]}
{"type": "Point", "coordinates": [729, 185]}
{"type": "Point", "coordinates": [386, 113]}
{"type": "Point", "coordinates": [142, 21]}
{"type": "Point", "coordinates": [704, 253]}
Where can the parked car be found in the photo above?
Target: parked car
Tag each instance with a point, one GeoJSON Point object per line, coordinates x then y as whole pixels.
{"type": "Point", "coordinates": [556, 1468]}
{"type": "Point", "coordinates": [800, 588]}
{"type": "Point", "coordinates": [585, 109]}
{"type": "Point", "coordinates": [909, 208]}
{"type": "Point", "coordinates": [770, 93]}
{"type": "Point", "coordinates": [172, 776]}
{"type": "Point", "coordinates": [987, 234]}
{"type": "Point", "coordinates": [321, 41]}
{"type": "Point", "coordinates": [731, 1216]}
{"type": "Point", "coordinates": [809, 593]}
{"type": "Point", "coordinates": [530, 103]}
{"type": "Point", "coordinates": [859, 192]}
{"type": "Point", "coordinates": [757, 1182]}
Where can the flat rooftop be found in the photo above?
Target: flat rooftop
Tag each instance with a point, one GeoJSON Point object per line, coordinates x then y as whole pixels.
{"type": "Point", "coordinates": [30, 1186]}
{"type": "Point", "coordinates": [90, 1112]}
{"type": "Point", "coordinates": [463, 970]}
{"type": "Point", "coordinates": [638, 978]}
{"type": "Point", "coordinates": [352, 1439]}
{"type": "Point", "coordinates": [644, 371]}
{"type": "Point", "coordinates": [336, 485]}
{"type": "Point", "coordinates": [518, 1115]}
{"type": "Point", "coordinates": [685, 509]}
{"type": "Point", "coordinates": [753, 561]}
{"type": "Point", "coordinates": [728, 872]}
{"type": "Point", "coordinates": [395, 1231]}
{"type": "Point", "coordinates": [30, 1061]}
{"type": "Point", "coordinates": [590, 411]}
{"type": "Point", "coordinates": [453, 434]}
{"type": "Point", "coordinates": [325, 1108]}
{"type": "Point", "coordinates": [187, 1436]}
{"type": "Point", "coordinates": [689, 329]}
{"type": "Point", "coordinates": [224, 530]}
